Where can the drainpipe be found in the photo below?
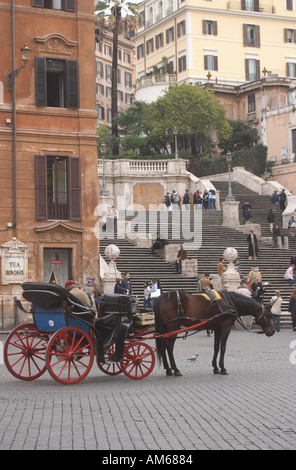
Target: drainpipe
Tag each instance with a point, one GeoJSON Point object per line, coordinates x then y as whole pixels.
{"type": "Point", "coordinates": [13, 119]}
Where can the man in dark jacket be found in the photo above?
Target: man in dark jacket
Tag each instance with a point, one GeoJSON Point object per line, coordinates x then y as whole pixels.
{"type": "Point", "coordinates": [276, 232]}
{"type": "Point", "coordinates": [271, 219]}
{"type": "Point", "coordinates": [253, 245]}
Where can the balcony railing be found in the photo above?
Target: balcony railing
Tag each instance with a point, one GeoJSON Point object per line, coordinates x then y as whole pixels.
{"type": "Point", "coordinates": [149, 80]}
{"type": "Point", "coordinates": [237, 5]}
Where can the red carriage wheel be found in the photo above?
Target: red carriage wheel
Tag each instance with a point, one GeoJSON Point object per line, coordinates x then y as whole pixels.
{"type": "Point", "coordinates": [69, 355]}
{"type": "Point", "coordinates": [109, 367]}
{"type": "Point", "coordinates": [138, 360]}
{"type": "Point", "coordinates": [24, 352]}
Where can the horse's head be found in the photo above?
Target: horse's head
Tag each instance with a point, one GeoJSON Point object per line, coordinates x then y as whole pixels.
{"type": "Point", "coordinates": [264, 320]}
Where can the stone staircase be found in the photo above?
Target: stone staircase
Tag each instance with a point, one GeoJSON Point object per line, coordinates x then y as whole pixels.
{"type": "Point", "coordinates": [272, 262]}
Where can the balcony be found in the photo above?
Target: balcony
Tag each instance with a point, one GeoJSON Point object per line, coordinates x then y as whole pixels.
{"type": "Point", "coordinates": [249, 6]}
{"type": "Point", "coordinates": [150, 80]}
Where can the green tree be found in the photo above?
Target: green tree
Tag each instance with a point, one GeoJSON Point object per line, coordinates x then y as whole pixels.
{"type": "Point", "coordinates": [243, 136]}
{"type": "Point", "coordinates": [112, 10]}
{"type": "Point", "coordinates": [195, 112]}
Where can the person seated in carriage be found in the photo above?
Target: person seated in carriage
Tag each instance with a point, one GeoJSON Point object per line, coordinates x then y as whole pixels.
{"type": "Point", "coordinates": [81, 295]}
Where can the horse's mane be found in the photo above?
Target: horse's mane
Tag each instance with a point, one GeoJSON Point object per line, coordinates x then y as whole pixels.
{"type": "Point", "coordinates": [246, 305]}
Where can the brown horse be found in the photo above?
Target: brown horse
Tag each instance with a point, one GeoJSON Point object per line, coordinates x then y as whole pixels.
{"type": "Point", "coordinates": [175, 309]}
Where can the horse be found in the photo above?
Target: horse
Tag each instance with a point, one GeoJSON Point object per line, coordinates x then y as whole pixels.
{"type": "Point", "coordinates": [175, 309]}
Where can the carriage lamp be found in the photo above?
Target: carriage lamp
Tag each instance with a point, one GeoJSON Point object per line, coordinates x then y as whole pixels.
{"type": "Point", "coordinates": [229, 197]}
{"type": "Point", "coordinates": [175, 131]}
{"type": "Point", "coordinates": [26, 52]}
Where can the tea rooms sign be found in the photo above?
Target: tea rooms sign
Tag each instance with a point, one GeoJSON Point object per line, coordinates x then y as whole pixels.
{"type": "Point", "coordinates": [14, 256]}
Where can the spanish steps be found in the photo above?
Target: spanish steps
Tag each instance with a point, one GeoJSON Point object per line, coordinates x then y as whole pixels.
{"type": "Point", "coordinates": [272, 262]}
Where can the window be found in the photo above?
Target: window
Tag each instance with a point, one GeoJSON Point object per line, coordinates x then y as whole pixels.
{"type": "Point", "coordinates": [251, 103]}
{"type": "Point", "coordinates": [140, 51]}
{"type": "Point", "coordinates": [58, 188]}
{"type": "Point", "coordinates": [101, 111]}
{"type": "Point", "coordinates": [108, 70]}
{"type": "Point", "coordinates": [65, 5]}
{"type": "Point", "coordinates": [129, 98]}
{"type": "Point", "coordinates": [290, 35]}
{"type": "Point", "coordinates": [252, 67]}
{"type": "Point", "coordinates": [159, 40]}
{"type": "Point", "coordinates": [251, 35]}
{"type": "Point", "coordinates": [149, 46]}
{"type": "Point", "coordinates": [210, 62]}
{"type": "Point", "coordinates": [119, 76]}
{"type": "Point", "coordinates": [128, 79]}
{"type": "Point", "coordinates": [56, 83]}
{"type": "Point", "coordinates": [291, 69]}
{"type": "Point", "coordinates": [182, 63]}
{"type": "Point", "coordinates": [100, 89]}
{"type": "Point", "coordinates": [289, 5]}
{"type": "Point", "coordinates": [181, 29]}
{"type": "Point", "coordinates": [127, 57]}
{"type": "Point", "coordinates": [250, 5]}
{"type": "Point", "coordinates": [108, 49]}
{"type": "Point", "coordinates": [210, 27]}
{"type": "Point", "coordinates": [109, 115]}
{"type": "Point", "coordinates": [108, 92]}
{"type": "Point", "coordinates": [170, 34]}
{"type": "Point", "coordinates": [100, 69]}
{"type": "Point", "coordinates": [119, 95]}
{"type": "Point", "coordinates": [294, 141]}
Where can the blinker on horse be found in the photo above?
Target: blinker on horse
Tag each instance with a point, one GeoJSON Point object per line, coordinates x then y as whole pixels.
{"type": "Point", "coordinates": [175, 309]}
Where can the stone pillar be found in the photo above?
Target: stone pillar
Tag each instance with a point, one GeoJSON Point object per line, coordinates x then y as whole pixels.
{"type": "Point", "coordinates": [109, 273]}
{"type": "Point", "coordinates": [231, 213]}
{"type": "Point", "coordinates": [230, 277]}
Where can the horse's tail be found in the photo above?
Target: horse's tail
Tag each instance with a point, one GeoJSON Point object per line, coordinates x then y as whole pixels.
{"type": "Point", "coordinates": [159, 330]}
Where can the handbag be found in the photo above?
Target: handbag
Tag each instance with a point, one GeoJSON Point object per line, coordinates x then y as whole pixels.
{"type": "Point", "coordinates": [156, 293]}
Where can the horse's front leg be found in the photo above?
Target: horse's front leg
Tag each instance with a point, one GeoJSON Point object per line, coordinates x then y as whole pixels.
{"type": "Point", "coordinates": [224, 338]}
{"type": "Point", "coordinates": [216, 351]}
{"type": "Point", "coordinates": [166, 365]}
{"type": "Point", "coordinates": [170, 349]}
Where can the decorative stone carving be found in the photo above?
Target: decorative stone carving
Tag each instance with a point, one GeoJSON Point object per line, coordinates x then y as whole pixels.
{"type": "Point", "coordinates": [55, 44]}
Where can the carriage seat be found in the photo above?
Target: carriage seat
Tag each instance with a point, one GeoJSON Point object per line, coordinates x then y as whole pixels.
{"type": "Point", "coordinates": [211, 295]}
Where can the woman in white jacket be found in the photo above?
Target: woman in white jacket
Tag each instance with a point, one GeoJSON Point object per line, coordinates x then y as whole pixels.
{"type": "Point", "coordinates": [276, 309]}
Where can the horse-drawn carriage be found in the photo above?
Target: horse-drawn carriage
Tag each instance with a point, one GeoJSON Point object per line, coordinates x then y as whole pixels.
{"type": "Point", "coordinates": [65, 337]}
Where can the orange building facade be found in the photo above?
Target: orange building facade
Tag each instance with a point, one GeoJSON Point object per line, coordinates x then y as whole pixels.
{"type": "Point", "coordinates": [48, 146]}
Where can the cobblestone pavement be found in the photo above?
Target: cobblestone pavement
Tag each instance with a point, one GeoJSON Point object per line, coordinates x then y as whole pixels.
{"type": "Point", "coordinates": [251, 408]}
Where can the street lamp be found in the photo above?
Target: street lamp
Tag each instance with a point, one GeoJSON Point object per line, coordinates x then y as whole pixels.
{"type": "Point", "coordinates": [104, 191]}
{"type": "Point", "coordinates": [229, 197]}
{"type": "Point", "coordinates": [175, 131]}
{"type": "Point", "coordinates": [26, 51]}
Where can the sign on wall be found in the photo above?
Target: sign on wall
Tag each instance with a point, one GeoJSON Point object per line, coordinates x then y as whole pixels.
{"type": "Point", "coordinates": [14, 257]}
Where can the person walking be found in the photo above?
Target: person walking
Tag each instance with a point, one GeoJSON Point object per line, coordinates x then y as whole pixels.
{"type": "Point", "coordinates": [274, 199]}
{"type": "Point", "coordinates": [292, 308]}
{"type": "Point", "coordinates": [167, 201]}
{"type": "Point", "coordinates": [271, 219]}
{"type": "Point", "coordinates": [276, 309]}
{"type": "Point", "coordinates": [282, 200]}
{"type": "Point", "coordinates": [253, 245]}
{"type": "Point", "coordinates": [290, 274]}
{"type": "Point", "coordinates": [245, 208]}
{"type": "Point", "coordinates": [197, 201]}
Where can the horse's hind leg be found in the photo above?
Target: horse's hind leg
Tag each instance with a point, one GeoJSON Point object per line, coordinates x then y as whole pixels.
{"type": "Point", "coordinates": [166, 365]}
{"type": "Point", "coordinates": [170, 349]}
{"type": "Point", "coordinates": [223, 350]}
{"type": "Point", "coordinates": [216, 351]}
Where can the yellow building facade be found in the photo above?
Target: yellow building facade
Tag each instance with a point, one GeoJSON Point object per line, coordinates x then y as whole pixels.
{"type": "Point", "coordinates": [231, 41]}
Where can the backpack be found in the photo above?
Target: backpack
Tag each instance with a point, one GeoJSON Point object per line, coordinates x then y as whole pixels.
{"type": "Point", "coordinates": [176, 198]}
{"type": "Point", "coordinates": [199, 287]}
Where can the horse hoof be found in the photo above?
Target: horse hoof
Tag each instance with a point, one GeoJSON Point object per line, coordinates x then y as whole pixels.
{"type": "Point", "coordinates": [224, 372]}
{"type": "Point", "coordinates": [169, 373]}
{"type": "Point", "coordinates": [178, 373]}
{"type": "Point", "coordinates": [216, 371]}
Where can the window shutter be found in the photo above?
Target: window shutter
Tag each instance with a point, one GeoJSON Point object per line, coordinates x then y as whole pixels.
{"type": "Point", "coordinates": [41, 187]}
{"type": "Point", "coordinates": [245, 35]}
{"type": "Point", "coordinates": [289, 5]}
{"type": "Point", "coordinates": [247, 70]}
{"type": "Point", "coordinates": [215, 62]}
{"type": "Point", "coordinates": [40, 79]}
{"type": "Point", "coordinates": [243, 4]}
{"type": "Point", "coordinates": [74, 188]}
{"type": "Point", "coordinates": [256, 5]}
{"type": "Point", "coordinates": [215, 28]}
{"type": "Point", "coordinates": [204, 27]}
{"type": "Point", "coordinates": [257, 36]}
{"type": "Point", "coordinates": [294, 36]}
{"type": "Point", "coordinates": [206, 62]}
{"type": "Point", "coordinates": [69, 5]}
{"type": "Point", "coordinates": [257, 69]}
{"type": "Point", "coordinates": [72, 91]}
{"type": "Point", "coordinates": [38, 3]}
